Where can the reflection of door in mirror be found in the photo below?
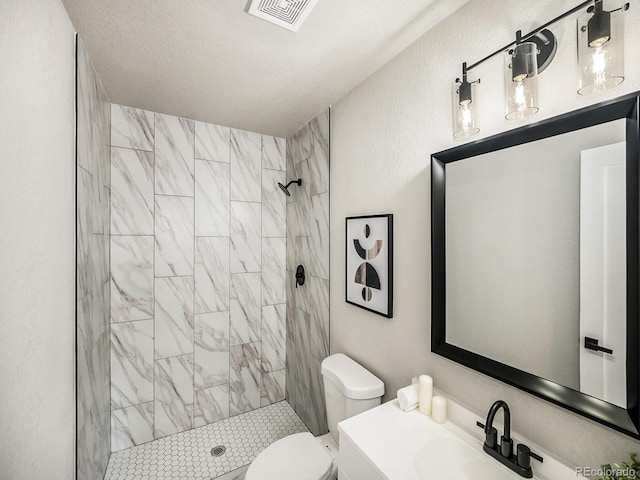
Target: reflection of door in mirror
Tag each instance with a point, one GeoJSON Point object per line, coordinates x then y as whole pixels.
{"type": "Point", "coordinates": [603, 273]}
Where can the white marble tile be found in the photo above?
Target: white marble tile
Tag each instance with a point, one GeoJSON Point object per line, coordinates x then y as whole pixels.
{"type": "Point", "coordinates": [173, 316]}
{"type": "Point", "coordinates": [101, 378]}
{"type": "Point", "coordinates": [211, 350]}
{"type": "Point", "coordinates": [89, 323]}
{"type": "Point", "coordinates": [319, 158]}
{"type": "Point", "coordinates": [103, 207]}
{"type": "Point", "coordinates": [173, 407]}
{"type": "Point", "coordinates": [315, 408]}
{"type": "Point", "coordinates": [291, 170]}
{"type": "Point", "coordinates": [246, 237]}
{"type": "Point", "coordinates": [174, 236]}
{"type": "Point", "coordinates": [273, 153]}
{"type": "Point", "coordinates": [274, 204]}
{"type": "Point", "coordinates": [212, 199]}
{"type": "Point", "coordinates": [100, 149]}
{"type": "Point", "coordinates": [212, 405]}
{"type": "Point", "coordinates": [131, 363]}
{"type": "Point", "coordinates": [131, 278]}
{"type": "Point", "coordinates": [318, 309]}
{"type": "Point", "coordinates": [298, 356]}
{"type": "Point", "coordinates": [319, 265]}
{"type": "Point", "coordinates": [302, 196]}
{"type": "Point", "coordinates": [131, 426]}
{"type": "Point", "coordinates": [272, 388]}
{"type": "Point", "coordinates": [131, 128]}
{"type": "Point", "coordinates": [84, 224]}
{"type": "Point", "coordinates": [245, 308]}
{"type": "Point", "coordinates": [291, 303]}
{"type": "Point", "coordinates": [246, 166]}
{"type": "Point", "coordinates": [85, 370]}
{"type": "Point", "coordinates": [174, 160]}
{"type": "Point", "coordinates": [244, 378]}
{"type": "Point", "coordinates": [131, 192]}
{"type": "Point", "coordinates": [301, 294]}
{"type": "Point", "coordinates": [212, 274]}
{"type": "Point", "coordinates": [274, 255]}
{"type": "Point", "coordinates": [212, 142]}
{"type": "Point", "coordinates": [273, 337]}
{"type": "Point", "coordinates": [93, 454]}
{"type": "Point", "coordinates": [87, 108]}
{"type": "Point", "coordinates": [292, 233]}
{"type": "Point", "coordinates": [301, 144]}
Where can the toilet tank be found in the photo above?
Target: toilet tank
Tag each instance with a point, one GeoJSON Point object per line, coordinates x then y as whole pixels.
{"type": "Point", "coordinates": [349, 389]}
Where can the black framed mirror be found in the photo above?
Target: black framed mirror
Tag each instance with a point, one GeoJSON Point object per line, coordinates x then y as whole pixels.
{"type": "Point", "coordinates": [536, 259]}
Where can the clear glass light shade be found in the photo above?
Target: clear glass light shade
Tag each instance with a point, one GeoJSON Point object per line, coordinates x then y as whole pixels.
{"type": "Point", "coordinates": [521, 82]}
{"type": "Point", "coordinates": [465, 112]}
{"type": "Point", "coordinates": [601, 61]}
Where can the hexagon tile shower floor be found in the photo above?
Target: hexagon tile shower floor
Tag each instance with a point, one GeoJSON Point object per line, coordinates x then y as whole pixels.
{"type": "Point", "coordinates": [187, 455]}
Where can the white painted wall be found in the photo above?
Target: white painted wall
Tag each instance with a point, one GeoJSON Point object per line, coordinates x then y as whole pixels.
{"type": "Point", "coordinates": [37, 241]}
{"type": "Point", "coordinates": [383, 133]}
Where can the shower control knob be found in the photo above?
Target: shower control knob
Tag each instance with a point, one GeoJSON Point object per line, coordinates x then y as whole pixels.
{"type": "Point", "coordinates": [300, 276]}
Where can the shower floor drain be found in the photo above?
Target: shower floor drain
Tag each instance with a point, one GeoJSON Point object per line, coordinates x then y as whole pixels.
{"type": "Point", "coordinates": [218, 450]}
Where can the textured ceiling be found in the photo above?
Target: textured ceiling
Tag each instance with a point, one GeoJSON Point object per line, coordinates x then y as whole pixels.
{"type": "Point", "coordinates": [211, 61]}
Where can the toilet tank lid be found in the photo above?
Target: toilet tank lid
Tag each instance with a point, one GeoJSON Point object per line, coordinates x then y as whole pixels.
{"type": "Point", "coordinates": [353, 380]}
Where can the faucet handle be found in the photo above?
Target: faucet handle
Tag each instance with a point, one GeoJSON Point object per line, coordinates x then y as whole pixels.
{"type": "Point", "coordinates": [506, 446]}
{"type": "Point", "coordinates": [524, 456]}
{"type": "Point", "coordinates": [491, 437]}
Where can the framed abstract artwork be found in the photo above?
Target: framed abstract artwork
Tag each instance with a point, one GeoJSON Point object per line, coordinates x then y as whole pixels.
{"type": "Point", "coordinates": [369, 263]}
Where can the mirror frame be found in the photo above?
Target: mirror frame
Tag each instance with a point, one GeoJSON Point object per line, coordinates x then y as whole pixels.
{"type": "Point", "coordinates": [623, 420]}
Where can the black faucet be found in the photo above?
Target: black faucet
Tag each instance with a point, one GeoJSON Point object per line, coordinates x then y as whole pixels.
{"type": "Point", "coordinates": [503, 451]}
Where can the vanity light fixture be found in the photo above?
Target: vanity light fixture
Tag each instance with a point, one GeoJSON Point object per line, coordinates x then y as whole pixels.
{"type": "Point", "coordinates": [465, 109]}
{"type": "Point", "coordinates": [521, 80]}
{"type": "Point", "coordinates": [600, 48]}
{"type": "Point", "coordinates": [600, 62]}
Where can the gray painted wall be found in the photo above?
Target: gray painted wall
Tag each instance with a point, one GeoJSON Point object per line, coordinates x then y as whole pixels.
{"type": "Point", "coordinates": [37, 245]}
{"type": "Point", "coordinates": [383, 133]}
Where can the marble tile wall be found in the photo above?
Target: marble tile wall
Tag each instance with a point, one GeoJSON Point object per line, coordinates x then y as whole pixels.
{"type": "Point", "coordinates": [198, 292]}
{"type": "Point", "coordinates": [307, 243]}
{"type": "Point", "coordinates": [92, 318]}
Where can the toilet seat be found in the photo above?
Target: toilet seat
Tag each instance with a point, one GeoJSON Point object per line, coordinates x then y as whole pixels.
{"type": "Point", "coordinates": [296, 457]}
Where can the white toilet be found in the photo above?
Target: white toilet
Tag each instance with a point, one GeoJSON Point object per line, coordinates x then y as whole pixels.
{"type": "Point", "coordinates": [349, 389]}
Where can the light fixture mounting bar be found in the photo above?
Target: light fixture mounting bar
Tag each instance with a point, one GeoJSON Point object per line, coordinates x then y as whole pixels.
{"type": "Point", "coordinates": [532, 33]}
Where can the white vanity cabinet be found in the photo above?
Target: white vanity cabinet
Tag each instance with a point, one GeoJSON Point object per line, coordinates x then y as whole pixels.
{"type": "Point", "coordinates": [353, 464]}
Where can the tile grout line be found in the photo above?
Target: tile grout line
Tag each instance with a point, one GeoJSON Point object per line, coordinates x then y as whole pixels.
{"type": "Point", "coordinates": [154, 279]}
{"type": "Point", "coordinates": [193, 297]}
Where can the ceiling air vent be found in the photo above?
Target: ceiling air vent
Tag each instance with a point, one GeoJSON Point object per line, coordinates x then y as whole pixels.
{"type": "Point", "coordinates": [285, 13]}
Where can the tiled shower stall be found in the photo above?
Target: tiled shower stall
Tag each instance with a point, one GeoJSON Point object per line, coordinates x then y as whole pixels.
{"type": "Point", "coordinates": [187, 311]}
{"type": "Point", "coordinates": [198, 274]}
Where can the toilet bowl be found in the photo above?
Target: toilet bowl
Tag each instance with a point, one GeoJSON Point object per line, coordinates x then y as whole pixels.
{"type": "Point", "coordinates": [349, 389]}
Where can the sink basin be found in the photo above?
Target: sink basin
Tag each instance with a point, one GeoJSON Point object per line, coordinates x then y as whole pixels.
{"type": "Point", "coordinates": [385, 443]}
{"type": "Point", "coordinates": [448, 457]}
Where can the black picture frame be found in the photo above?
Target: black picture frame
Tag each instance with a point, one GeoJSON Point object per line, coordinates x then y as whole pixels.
{"type": "Point", "coordinates": [623, 420]}
{"type": "Point", "coordinates": [385, 280]}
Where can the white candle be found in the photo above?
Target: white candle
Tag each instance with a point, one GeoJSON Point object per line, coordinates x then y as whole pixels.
{"type": "Point", "coordinates": [426, 392]}
{"type": "Point", "coordinates": [439, 409]}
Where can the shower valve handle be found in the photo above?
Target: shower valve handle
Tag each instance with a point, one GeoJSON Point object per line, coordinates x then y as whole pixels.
{"type": "Point", "coordinates": [300, 276]}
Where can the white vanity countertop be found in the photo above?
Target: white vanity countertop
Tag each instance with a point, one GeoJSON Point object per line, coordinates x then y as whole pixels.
{"type": "Point", "coordinates": [389, 439]}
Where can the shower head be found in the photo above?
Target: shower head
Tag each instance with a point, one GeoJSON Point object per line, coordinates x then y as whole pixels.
{"type": "Point", "coordinates": [285, 188]}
